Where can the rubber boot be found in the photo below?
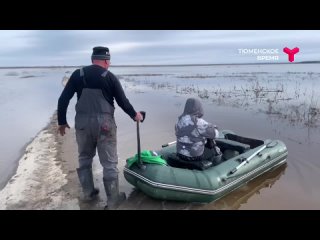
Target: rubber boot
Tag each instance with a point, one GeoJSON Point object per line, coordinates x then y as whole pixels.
{"type": "Point", "coordinates": [115, 198]}
{"type": "Point", "coordinates": [86, 181]}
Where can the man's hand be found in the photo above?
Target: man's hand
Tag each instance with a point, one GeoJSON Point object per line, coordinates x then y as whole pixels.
{"type": "Point", "coordinates": [138, 117]}
{"type": "Point", "coordinates": [62, 129]}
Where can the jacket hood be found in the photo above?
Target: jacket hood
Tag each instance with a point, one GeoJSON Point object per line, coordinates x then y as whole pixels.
{"type": "Point", "coordinates": [193, 107]}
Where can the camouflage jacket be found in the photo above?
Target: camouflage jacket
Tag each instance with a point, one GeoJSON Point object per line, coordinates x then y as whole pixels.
{"type": "Point", "coordinates": [192, 131]}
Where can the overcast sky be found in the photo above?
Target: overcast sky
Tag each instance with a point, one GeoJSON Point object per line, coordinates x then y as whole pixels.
{"type": "Point", "coordinates": [70, 47]}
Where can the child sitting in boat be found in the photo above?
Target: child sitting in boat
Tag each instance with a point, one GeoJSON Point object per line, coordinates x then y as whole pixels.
{"type": "Point", "coordinates": [194, 133]}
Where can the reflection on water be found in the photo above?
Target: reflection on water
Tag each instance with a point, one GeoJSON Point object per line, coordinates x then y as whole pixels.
{"type": "Point", "coordinates": [234, 200]}
{"type": "Point", "coordinates": [28, 98]}
{"type": "Point", "coordinates": [241, 196]}
{"type": "Point", "coordinates": [286, 94]}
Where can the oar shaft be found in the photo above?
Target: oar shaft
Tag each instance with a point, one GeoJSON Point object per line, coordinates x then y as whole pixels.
{"type": "Point", "coordinates": [247, 160]}
{"type": "Point", "coordinates": [138, 140]}
{"type": "Point", "coordinates": [168, 144]}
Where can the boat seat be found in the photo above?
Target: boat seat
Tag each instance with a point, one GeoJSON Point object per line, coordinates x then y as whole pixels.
{"type": "Point", "coordinates": [228, 153]}
{"type": "Point", "coordinates": [225, 144]}
{"type": "Point", "coordinates": [250, 141]}
{"type": "Point", "coordinates": [174, 161]}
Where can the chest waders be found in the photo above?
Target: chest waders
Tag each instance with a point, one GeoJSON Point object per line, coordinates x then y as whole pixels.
{"type": "Point", "coordinates": [96, 130]}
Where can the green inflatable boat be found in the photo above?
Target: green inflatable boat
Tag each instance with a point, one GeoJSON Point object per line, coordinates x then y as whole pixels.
{"type": "Point", "coordinates": [243, 160]}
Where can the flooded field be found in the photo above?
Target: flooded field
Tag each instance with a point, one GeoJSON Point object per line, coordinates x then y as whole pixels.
{"type": "Point", "coordinates": [258, 101]}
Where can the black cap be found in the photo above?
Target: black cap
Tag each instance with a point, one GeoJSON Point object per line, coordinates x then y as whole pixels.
{"type": "Point", "coordinates": [100, 53]}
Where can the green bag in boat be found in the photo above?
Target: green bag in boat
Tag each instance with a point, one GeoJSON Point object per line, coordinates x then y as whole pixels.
{"type": "Point", "coordinates": [147, 157]}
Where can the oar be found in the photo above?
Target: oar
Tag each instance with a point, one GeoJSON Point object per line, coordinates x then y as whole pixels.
{"type": "Point", "coordinates": [138, 140]}
{"type": "Point", "coordinates": [168, 144]}
{"type": "Point", "coordinates": [247, 160]}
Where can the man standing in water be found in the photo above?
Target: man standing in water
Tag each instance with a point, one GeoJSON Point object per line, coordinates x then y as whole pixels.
{"type": "Point", "coordinates": [95, 125]}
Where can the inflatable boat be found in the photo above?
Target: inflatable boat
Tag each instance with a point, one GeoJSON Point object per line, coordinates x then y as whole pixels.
{"type": "Point", "coordinates": [243, 159]}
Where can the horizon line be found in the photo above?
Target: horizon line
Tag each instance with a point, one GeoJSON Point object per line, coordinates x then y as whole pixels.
{"type": "Point", "coordinates": [163, 65]}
